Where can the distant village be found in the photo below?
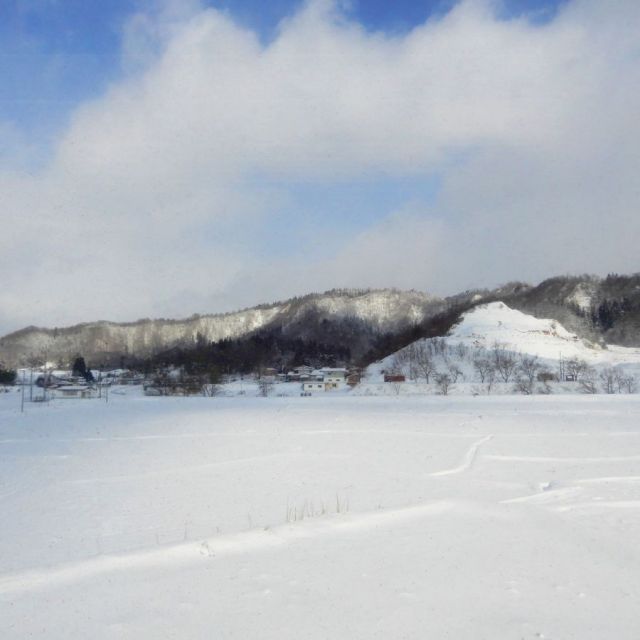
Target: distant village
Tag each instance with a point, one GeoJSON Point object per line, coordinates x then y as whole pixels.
{"type": "Point", "coordinates": [82, 382]}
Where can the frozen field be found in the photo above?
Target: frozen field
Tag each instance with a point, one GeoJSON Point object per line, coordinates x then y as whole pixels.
{"type": "Point", "coordinates": [321, 518]}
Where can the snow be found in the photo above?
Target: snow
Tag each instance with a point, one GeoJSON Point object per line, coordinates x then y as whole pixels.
{"type": "Point", "coordinates": [485, 326]}
{"type": "Point", "coordinates": [496, 322]}
{"type": "Point", "coordinates": [582, 297]}
{"type": "Point", "coordinates": [325, 517]}
{"type": "Point", "coordinates": [548, 339]}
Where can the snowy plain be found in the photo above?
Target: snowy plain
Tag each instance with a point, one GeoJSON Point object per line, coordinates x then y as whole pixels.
{"type": "Point", "coordinates": [323, 517]}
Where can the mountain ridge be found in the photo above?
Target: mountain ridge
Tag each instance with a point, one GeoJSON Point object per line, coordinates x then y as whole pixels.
{"type": "Point", "coordinates": [382, 309]}
{"type": "Point", "coordinates": [369, 322]}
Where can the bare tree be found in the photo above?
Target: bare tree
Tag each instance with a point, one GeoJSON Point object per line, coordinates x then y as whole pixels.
{"type": "Point", "coordinates": [211, 390]}
{"type": "Point", "coordinates": [608, 378]}
{"type": "Point", "coordinates": [454, 372]}
{"type": "Point", "coordinates": [588, 381]}
{"type": "Point", "coordinates": [622, 381]}
{"type": "Point", "coordinates": [504, 361]}
{"type": "Point", "coordinates": [575, 368]}
{"type": "Point", "coordinates": [490, 378]}
{"type": "Point", "coordinates": [523, 385]}
{"type": "Point", "coordinates": [424, 362]}
{"type": "Point", "coordinates": [528, 368]}
{"type": "Point", "coordinates": [483, 367]}
{"type": "Point", "coordinates": [630, 384]}
{"type": "Point", "coordinates": [444, 382]}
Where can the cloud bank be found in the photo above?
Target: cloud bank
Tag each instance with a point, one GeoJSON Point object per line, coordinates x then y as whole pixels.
{"type": "Point", "coordinates": [170, 193]}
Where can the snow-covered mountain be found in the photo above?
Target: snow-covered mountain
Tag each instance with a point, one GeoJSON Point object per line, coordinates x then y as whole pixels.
{"type": "Point", "coordinates": [496, 323]}
{"type": "Point", "coordinates": [374, 311]}
{"type": "Point", "coordinates": [370, 323]}
{"type": "Point", "coordinates": [493, 327]}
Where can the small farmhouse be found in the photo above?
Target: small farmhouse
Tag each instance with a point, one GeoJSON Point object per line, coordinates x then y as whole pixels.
{"type": "Point", "coordinates": [311, 386]}
{"type": "Point", "coordinates": [334, 378]}
{"type": "Point", "coordinates": [325, 379]}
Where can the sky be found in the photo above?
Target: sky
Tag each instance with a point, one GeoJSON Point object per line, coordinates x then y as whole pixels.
{"type": "Point", "coordinates": [160, 158]}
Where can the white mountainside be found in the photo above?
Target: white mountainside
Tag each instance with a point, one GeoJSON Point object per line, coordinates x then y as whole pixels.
{"type": "Point", "coordinates": [492, 323]}
{"type": "Point", "coordinates": [484, 327]}
{"type": "Point", "coordinates": [383, 310]}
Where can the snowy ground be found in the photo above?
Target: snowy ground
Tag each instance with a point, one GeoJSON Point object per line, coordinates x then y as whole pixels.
{"type": "Point", "coordinates": [434, 517]}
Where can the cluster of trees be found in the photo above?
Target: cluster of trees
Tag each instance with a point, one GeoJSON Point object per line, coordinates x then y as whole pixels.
{"type": "Point", "coordinates": [608, 312]}
{"type": "Point", "coordinates": [431, 328]}
{"type": "Point", "coordinates": [609, 380]}
{"type": "Point", "coordinates": [434, 361]}
{"type": "Point", "coordinates": [178, 382]}
{"type": "Point", "coordinates": [420, 361]}
{"type": "Point", "coordinates": [7, 376]}
{"type": "Point", "coordinates": [249, 355]}
{"type": "Point", "coordinates": [501, 364]}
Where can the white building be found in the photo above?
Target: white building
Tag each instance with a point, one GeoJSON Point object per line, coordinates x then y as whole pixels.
{"type": "Point", "coordinates": [312, 385]}
{"type": "Point", "coordinates": [334, 378]}
{"type": "Point", "coordinates": [325, 379]}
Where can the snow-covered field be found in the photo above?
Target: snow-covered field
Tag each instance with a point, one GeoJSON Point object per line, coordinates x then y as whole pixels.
{"type": "Point", "coordinates": [328, 517]}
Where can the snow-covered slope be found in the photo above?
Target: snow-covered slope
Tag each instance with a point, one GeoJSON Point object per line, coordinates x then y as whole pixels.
{"type": "Point", "coordinates": [486, 328]}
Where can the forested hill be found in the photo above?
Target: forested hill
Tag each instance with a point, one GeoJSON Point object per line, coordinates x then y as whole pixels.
{"type": "Point", "coordinates": [346, 317]}
{"type": "Point", "coordinates": [355, 326]}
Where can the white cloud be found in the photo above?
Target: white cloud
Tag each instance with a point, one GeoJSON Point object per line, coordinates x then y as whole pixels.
{"type": "Point", "coordinates": [152, 200]}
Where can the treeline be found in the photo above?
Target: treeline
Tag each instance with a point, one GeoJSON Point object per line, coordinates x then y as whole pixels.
{"type": "Point", "coordinates": [249, 355]}
{"type": "Point", "coordinates": [436, 326]}
{"type": "Point", "coordinates": [7, 376]}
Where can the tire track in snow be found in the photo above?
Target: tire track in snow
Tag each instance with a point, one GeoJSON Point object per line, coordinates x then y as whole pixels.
{"type": "Point", "coordinates": [467, 461]}
{"type": "Point", "coordinates": [219, 546]}
{"type": "Point", "coordinates": [501, 458]}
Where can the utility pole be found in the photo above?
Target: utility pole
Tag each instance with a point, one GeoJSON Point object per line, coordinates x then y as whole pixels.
{"type": "Point", "coordinates": [561, 368]}
{"type": "Point", "coordinates": [22, 394]}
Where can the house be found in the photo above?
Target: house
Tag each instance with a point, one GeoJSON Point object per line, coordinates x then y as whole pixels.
{"type": "Point", "coordinates": [300, 373]}
{"type": "Point", "coordinates": [333, 378]}
{"type": "Point", "coordinates": [394, 377]}
{"type": "Point", "coordinates": [303, 370]}
{"type": "Point", "coordinates": [325, 379]}
{"type": "Point", "coordinates": [310, 386]}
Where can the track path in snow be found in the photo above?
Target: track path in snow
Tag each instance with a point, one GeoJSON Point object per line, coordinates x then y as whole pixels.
{"type": "Point", "coordinates": [467, 461]}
